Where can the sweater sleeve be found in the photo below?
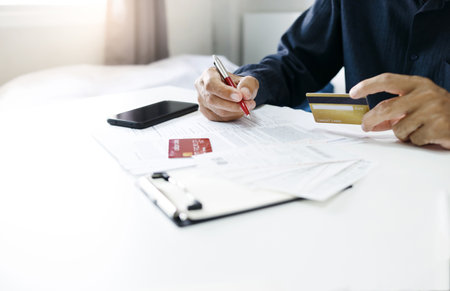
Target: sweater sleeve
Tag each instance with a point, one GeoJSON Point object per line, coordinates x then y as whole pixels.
{"type": "Point", "coordinates": [309, 55]}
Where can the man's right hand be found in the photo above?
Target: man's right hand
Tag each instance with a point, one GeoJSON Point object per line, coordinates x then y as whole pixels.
{"type": "Point", "coordinates": [220, 102]}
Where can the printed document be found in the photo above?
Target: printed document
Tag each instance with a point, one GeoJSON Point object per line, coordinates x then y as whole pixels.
{"type": "Point", "coordinates": [141, 151]}
{"type": "Point", "coordinates": [278, 149]}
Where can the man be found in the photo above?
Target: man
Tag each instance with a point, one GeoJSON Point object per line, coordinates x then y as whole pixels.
{"type": "Point", "coordinates": [399, 47]}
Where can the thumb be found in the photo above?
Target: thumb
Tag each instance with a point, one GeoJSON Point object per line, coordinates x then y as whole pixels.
{"type": "Point", "coordinates": [249, 87]}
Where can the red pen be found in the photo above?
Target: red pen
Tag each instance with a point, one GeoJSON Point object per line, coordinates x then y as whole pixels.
{"type": "Point", "coordinates": [223, 73]}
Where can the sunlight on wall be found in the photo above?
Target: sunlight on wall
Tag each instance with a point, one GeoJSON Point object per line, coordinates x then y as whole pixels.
{"type": "Point", "coordinates": [52, 2]}
{"type": "Point", "coordinates": [39, 37]}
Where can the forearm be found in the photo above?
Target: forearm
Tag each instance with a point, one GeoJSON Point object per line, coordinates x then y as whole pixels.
{"type": "Point", "coordinates": [309, 55]}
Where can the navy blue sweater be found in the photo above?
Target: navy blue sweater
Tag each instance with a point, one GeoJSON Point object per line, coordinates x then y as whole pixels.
{"type": "Point", "coordinates": [367, 37]}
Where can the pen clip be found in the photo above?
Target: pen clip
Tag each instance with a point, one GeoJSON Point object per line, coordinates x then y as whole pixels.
{"type": "Point", "coordinates": [220, 67]}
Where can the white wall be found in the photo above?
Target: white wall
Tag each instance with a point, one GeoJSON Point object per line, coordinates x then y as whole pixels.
{"type": "Point", "coordinates": [261, 33]}
{"type": "Point", "coordinates": [212, 26]}
{"type": "Point", "coordinates": [228, 17]}
{"type": "Point", "coordinates": [37, 37]}
{"type": "Point", "coordinates": [189, 25]}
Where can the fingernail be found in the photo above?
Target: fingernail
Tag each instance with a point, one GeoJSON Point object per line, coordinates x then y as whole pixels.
{"type": "Point", "coordinates": [246, 92]}
{"type": "Point", "coordinates": [236, 97]}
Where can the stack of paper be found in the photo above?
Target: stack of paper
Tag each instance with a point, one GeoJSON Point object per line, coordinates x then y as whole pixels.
{"type": "Point", "coordinates": [276, 149]}
{"type": "Point", "coordinates": [141, 151]}
{"type": "Point", "coordinates": [314, 172]}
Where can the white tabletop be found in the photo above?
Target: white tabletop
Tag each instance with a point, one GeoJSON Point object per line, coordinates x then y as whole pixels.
{"type": "Point", "coordinates": [72, 219]}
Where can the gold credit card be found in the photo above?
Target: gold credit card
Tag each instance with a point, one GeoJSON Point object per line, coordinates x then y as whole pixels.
{"type": "Point", "coordinates": [337, 108]}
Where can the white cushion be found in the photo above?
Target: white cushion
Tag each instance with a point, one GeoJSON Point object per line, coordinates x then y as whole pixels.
{"type": "Point", "coordinates": [82, 81]}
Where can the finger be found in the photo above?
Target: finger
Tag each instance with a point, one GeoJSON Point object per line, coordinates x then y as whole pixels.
{"type": "Point", "coordinates": [232, 115]}
{"type": "Point", "coordinates": [223, 109]}
{"type": "Point", "coordinates": [216, 116]}
{"type": "Point", "coordinates": [387, 82]}
{"type": "Point", "coordinates": [443, 142]}
{"type": "Point", "coordinates": [226, 115]}
{"type": "Point", "coordinates": [385, 125]}
{"type": "Point", "coordinates": [216, 103]}
{"type": "Point", "coordinates": [235, 78]}
{"type": "Point", "coordinates": [226, 108]}
{"type": "Point", "coordinates": [205, 111]}
{"type": "Point", "coordinates": [213, 84]}
{"type": "Point", "coordinates": [405, 127]}
{"type": "Point", "coordinates": [251, 104]}
{"type": "Point", "coordinates": [420, 136]}
{"type": "Point", "coordinates": [396, 120]}
{"type": "Point", "coordinates": [439, 131]}
{"type": "Point", "coordinates": [249, 87]}
{"type": "Point", "coordinates": [391, 109]}
{"type": "Point", "coordinates": [208, 113]}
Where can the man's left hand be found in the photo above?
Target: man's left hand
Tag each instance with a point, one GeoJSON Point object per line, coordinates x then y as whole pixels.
{"type": "Point", "coordinates": [420, 113]}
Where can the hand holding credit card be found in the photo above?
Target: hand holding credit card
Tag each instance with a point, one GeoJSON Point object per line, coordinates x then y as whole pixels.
{"type": "Point", "coordinates": [337, 108]}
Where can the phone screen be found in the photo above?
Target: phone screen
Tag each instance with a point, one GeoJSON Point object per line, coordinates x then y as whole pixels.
{"type": "Point", "coordinates": [152, 114]}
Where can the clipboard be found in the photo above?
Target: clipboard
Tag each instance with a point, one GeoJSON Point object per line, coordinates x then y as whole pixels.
{"type": "Point", "coordinates": [175, 191]}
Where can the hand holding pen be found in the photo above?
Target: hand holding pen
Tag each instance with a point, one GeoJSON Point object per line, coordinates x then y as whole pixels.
{"type": "Point", "coordinates": [220, 101]}
{"type": "Point", "coordinates": [227, 79]}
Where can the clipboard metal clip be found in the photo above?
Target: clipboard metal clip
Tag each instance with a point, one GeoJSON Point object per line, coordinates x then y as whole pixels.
{"type": "Point", "coordinates": [163, 200]}
{"type": "Point", "coordinates": [193, 203]}
{"type": "Point", "coordinates": [160, 199]}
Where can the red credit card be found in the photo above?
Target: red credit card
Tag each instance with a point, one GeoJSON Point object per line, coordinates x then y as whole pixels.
{"type": "Point", "coordinates": [187, 147]}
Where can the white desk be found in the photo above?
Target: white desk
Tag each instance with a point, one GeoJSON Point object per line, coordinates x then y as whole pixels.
{"type": "Point", "coordinates": [71, 219]}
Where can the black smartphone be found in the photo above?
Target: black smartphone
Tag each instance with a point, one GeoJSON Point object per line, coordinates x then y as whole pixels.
{"type": "Point", "coordinates": [152, 114]}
